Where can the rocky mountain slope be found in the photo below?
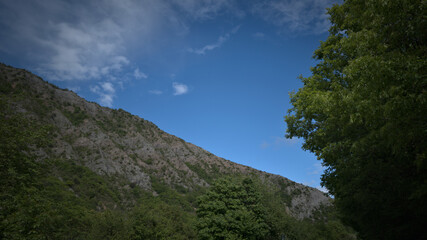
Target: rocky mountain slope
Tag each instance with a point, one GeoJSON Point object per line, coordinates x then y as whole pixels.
{"type": "Point", "coordinates": [115, 143]}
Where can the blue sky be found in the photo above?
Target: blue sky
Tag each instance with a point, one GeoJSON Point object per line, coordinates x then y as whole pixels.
{"type": "Point", "coordinates": [216, 73]}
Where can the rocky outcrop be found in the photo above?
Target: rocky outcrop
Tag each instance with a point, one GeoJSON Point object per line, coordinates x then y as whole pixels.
{"type": "Point", "coordinates": [115, 143]}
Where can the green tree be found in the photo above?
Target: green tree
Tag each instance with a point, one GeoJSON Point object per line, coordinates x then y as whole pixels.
{"type": "Point", "coordinates": [363, 112]}
{"type": "Point", "coordinates": [110, 225]}
{"type": "Point", "coordinates": [154, 219]}
{"type": "Point", "coordinates": [231, 209]}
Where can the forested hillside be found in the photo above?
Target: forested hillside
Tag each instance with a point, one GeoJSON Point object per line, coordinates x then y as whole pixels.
{"type": "Point", "coordinates": [71, 169]}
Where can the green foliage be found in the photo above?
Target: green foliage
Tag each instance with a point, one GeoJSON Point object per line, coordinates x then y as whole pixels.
{"type": "Point", "coordinates": [248, 208]}
{"type": "Point", "coordinates": [32, 205]}
{"type": "Point", "coordinates": [77, 116]}
{"type": "Point", "coordinates": [110, 225]}
{"type": "Point", "coordinates": [38, 212]}
{"type": "Point", "coordinates": [169, 195]}
{"type": "Point", "coordinates": [5, 87]}
{"type": "Point", "coordinates": [231, 210]}
{"type": "Point", "coordinates": [207, 173]}
{"type": "Point", "coordinates": [56, 199]}
{"type": "Point", "coordinates": [363, 113]}
{"type": "Point", "coordinates": [201, 172]}
{"type": "Point", "coordinates": [154, 219]}
{"type": "Point", "coordinates": [116, 125]}
{"type": "Point", "coordinates": [324, 224]}
{"type": "Point", "coordinates": [91, 188]}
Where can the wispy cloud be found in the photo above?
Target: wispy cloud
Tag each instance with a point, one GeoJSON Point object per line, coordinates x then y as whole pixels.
{"type": "Point", "coordinates": [95, 41]}
{"type": "Point", "coordinates": [179, 88]}
{"type": "Point", "coordinates": [106, 93]}
{"type": "Point", "coordinates": [265, 145]}
{"type": "Point", "coordinates": [81, 40]}
{"type": "Point", "coordinates": [258, 35]}
{"type": "Point", "coordinates": [84, 40]}
{"type": "Point", "coordinates": [296, 16]}
{"type": "Point", "coordinates": [138, 74]}
{"type": "Point", "coordinates": [203, 9]}
{"type": "Point", "coordinates": [155, 92]}
{"type": "Point", "coordinates": [221, 40]}
{"type": "Point", "coordinates": [68, 44]}
{"type": "Point", "coordinates": [203, 50]}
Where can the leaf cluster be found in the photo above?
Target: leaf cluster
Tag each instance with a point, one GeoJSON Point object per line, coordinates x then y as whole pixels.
{"type": "Point", "coordinates": [231, 210]}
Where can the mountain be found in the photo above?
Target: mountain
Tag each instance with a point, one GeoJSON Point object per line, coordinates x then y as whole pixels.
{"type": "Point", "coordinates": [126, 154]}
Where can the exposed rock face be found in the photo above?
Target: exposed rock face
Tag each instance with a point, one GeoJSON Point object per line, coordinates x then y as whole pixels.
{"type": "Point", "coordinates": [116, 143]}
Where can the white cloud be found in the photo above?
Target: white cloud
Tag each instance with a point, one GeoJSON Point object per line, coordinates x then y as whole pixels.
{"type": "Point", "coordinates": [314, 184]}
{"type": "Point", "coordinates": [203, 9]}
{"type": "Point", "coordinates": [138, 74]}
{"type": "Point", "coordinates": [155, 92]}
{"type": "Point", "coordinates": [202, 51]}
{"type": "Point", "coordinates": [108, 87]}
{"type": "Point", "coordinates": [87, 40]}
{"type": "Point", "coordinates": [297, 16]}
{"type": "Point", "coordinates": [322, 189]}
{"type": "Point", "coordinates": [84, 40]}
{"type": "Point", "coordinates": [217, 44]}
{"type": "Point", "coordinates": [179, 88]}
{"type": "Point", "coordinates": [83, 52]}
{"type": "Point", "coordinates": [105, 92]}
{"type": "Point", "coordinates": [97, 41]}
{"type": "Point", "coordinates": [258, 35]}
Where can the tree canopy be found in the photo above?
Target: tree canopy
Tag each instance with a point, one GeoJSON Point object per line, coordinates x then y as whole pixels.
{"type": "Point", "coordinates": [362, 112]}
{"type": "Point", "coordinates": [231, 210]}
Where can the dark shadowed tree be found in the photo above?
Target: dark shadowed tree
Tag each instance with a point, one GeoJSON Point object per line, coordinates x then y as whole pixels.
{"type": "Point", "coordinates": [363, 113]}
